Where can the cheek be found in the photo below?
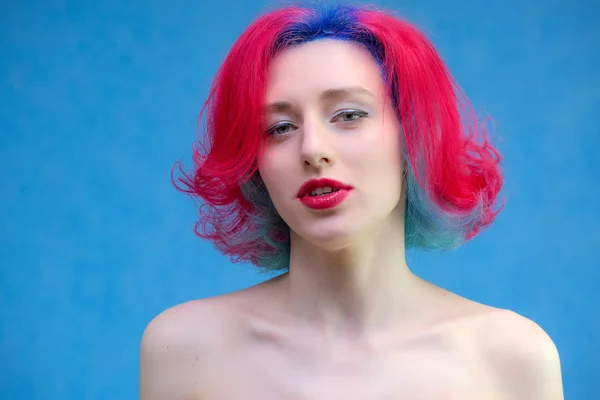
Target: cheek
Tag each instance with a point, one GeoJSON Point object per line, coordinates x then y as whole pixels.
{"type": "Point", "coordinates": [391, 150]}
{"type": "Point", "coordinates": [377, 162]}
{"type": "Point", "coordinates": [381, 150]}
{"type": "Point", "coordinates": [272, 169]}
{"type": "Point", "coordinates": [392, 159]}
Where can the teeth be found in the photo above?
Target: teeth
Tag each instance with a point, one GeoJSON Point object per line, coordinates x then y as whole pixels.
{"type": "Point", "coordinates": [320, 191]}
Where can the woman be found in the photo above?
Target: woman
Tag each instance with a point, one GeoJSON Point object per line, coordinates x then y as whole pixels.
{"type": "Point", "coordinates": [336, 139]}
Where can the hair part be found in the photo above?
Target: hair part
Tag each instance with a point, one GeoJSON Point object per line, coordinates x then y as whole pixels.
{"type": "Point", "coordinates": [453, 173]}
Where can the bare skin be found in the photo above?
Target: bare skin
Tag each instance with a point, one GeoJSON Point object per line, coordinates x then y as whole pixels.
{"type": "Point", "coordinates": [245, 345]}
{"type": "Point", "coordinates": [349, 320]}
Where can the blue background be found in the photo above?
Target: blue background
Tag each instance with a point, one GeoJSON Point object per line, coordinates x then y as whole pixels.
{"type": "Point", "coordinates": [100, 98]}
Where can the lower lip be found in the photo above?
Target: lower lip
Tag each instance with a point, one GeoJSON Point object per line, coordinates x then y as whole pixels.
{"type": "Point", "coordinates": [325, 201]}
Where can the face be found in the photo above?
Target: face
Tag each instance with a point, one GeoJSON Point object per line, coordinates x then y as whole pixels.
{"type": "Point", "coordinates": [328, 117]}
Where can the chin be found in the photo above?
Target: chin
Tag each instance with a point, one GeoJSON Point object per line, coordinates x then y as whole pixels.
{"type": "Point", "coordinates": [330, 235]}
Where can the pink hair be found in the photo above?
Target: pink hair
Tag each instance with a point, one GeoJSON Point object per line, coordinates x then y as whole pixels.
{"type": "Point", "coordinates": [454, 174]}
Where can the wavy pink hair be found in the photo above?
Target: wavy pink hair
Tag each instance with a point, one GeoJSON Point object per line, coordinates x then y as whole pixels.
{"type": "Point", "coordinates": [453, 171]}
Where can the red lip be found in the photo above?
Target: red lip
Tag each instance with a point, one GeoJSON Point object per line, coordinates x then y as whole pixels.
{"type": "Point", "coordinates": [313, 184]}
{"type": "Point", "coordinates": [324, 201]}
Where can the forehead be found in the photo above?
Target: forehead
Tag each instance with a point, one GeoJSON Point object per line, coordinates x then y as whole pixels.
{"type": "Point", "coordinates": [319, 65]}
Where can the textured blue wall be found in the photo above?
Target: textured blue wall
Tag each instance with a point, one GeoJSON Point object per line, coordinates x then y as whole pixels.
{"type": "Point", "coordinates": [99, 99]}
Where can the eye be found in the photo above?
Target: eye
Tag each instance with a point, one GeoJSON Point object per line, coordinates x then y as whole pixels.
{"type": "Point", "coordinates": [349, 116]}
{"type": "Point", "coordinates": [280, 129]}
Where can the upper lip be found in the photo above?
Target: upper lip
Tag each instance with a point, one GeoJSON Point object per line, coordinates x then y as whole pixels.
{"type": "Point", "coordinates": [310, 185]}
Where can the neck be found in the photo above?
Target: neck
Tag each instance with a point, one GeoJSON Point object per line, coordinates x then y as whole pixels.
{"type": "Point", "coordinates": [351, 291]}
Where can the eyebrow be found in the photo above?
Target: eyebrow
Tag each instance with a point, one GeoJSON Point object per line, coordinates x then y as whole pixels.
{"type": "Point", "coordinates": [327, 95]}
{"type": "Point", "coordinates": [330, 94]}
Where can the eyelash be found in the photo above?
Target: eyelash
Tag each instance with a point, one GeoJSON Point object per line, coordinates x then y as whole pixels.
{"type": "Point", "coordinates": [360, 114]}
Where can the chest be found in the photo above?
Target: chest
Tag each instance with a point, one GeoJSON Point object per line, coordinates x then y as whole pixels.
{"type": "Point", "coordinates": [413, 373]}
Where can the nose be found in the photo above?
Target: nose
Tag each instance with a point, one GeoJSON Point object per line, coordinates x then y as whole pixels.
{"type": "Point", "coordinates": [316, 150]}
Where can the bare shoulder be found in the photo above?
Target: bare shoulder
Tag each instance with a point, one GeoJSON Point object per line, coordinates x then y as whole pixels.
{"type": "Point", "coordinates": [184, 346]}
{"type": "Point", "coordinates": [520, 355]}
{"type": "Point", "coordinates": [178, 346]}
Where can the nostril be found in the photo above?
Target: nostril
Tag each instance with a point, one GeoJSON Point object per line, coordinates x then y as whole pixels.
{"type": "Point", "coordinates": [317, 162]}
